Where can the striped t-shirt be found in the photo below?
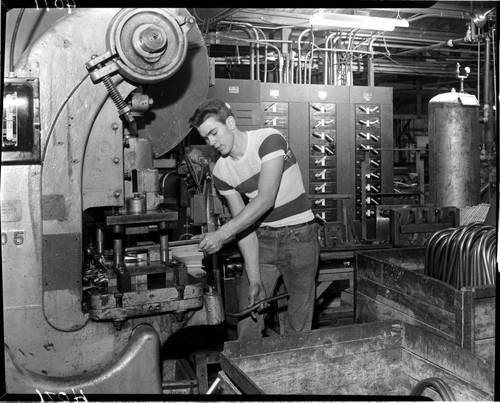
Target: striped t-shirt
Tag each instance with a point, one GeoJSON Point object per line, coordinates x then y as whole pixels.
{"type": "Point", "coordinates": [292, 205]}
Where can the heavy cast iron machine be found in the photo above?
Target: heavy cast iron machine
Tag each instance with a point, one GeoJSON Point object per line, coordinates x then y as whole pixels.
{"type": "Point", "coordinates": [89, 110]}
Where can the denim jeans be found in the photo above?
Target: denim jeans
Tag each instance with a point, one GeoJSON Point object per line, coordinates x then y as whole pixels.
{"type": "Point", "coordinates": [294, 254]}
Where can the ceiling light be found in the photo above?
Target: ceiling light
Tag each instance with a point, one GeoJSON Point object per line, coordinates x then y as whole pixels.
{"type": "Point", "coordinates": [330, 20]}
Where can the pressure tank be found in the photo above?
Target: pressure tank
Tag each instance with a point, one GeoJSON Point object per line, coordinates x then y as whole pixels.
{"type": "Point", "coordinates": [454, 150]}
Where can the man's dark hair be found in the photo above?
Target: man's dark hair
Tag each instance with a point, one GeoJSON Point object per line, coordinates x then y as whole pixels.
{"type": "Point", "coordinates": [211, 107]}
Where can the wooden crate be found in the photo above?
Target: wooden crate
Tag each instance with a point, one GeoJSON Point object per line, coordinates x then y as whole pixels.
{"type": "Point", "coordinates": [380, 358]}
{"type": "Point", "coordinates": [391, 284]}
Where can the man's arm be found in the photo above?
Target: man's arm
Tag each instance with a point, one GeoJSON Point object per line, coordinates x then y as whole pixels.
{"type": "Point", "coordinates": [269, 182]}
{"type": "Point", "coordinates": [249, 248]}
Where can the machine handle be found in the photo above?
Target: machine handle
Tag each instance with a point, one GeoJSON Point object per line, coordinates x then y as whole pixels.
{"type": "Point", "coordinates": [255, 306]}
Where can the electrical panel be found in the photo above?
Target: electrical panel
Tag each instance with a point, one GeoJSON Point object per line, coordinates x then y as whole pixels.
{"type": "Point", "coordinates": [323, 160]}
{"type": "Point", "coordinates": [21, 121]}
{"type": "Point", "coordinates": [367, 131]}
{"type": "Point", "coordinates": [275, 115]}
{"type": "Point", "coordinates": [342, 138]}
{"type": "Point", "coordinates": [243, 96]}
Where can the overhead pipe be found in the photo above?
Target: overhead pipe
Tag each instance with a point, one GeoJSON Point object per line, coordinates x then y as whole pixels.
{"type": "Point", "coordinates": [326, 60]}
{"type": "Point", "coordinates": [371, 53]}
{"type": "Point", "coordinates": [265, 53]}
{"type": "Point", "coordinates": [255, 46]}
{"type": "Point", "coordinates": [371, 71]}
{"type": "Point", "coordinates": [299, 74]}
{"type": "Point", "coordinates": [486, 107]}
{"type": "Point", "coordinates": [257, 52]}
{"type": "Point", "coordinates": [450, 43]}
{"type": "Point", "coordinates": [280, 57]}
{"type": "Point", "coordinates": [350, 77]}
{"type": "Point", "coordinates": [311, 52]}
{"type": "Point", "coordinates": [308, 72]}
{"type": "Point", "coordinates": [335, 61]}
{"type": "Point", "coordinates": [327, 55]}
{"type": "Point", "coordinates": [246, 29]}
{"type": "Point", "coordinates": [250, 41]}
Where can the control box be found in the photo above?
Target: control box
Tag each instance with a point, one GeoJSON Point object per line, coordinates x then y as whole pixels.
{"type": "Point", "coordinates": [21, 121]}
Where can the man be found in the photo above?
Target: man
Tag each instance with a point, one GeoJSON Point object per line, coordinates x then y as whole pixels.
{"type": "Point", "coordinates": [275, 230]}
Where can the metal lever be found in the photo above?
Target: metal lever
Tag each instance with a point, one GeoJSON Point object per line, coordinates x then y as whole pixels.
{"type": "Point", "coordinates": [255, 306]}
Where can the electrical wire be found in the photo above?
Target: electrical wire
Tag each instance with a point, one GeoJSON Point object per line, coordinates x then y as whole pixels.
{"type": "Point", "coordinates": [463, 256]}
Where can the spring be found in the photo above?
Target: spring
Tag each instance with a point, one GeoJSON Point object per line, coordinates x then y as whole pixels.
{"type": "Point", "coordinates": [463, 256]}
{"type": "Point", "coordinates": [113, 93]}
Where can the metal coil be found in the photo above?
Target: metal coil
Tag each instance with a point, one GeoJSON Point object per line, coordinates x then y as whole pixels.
{"type": "Point", "coordinates": [463, 256]}
{"type": "Point", "coordinates": [437, 385]}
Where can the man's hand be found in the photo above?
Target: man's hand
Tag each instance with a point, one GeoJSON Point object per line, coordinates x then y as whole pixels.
{"type": "Point", "coordinates": [256, 293]}
{"type": "Point", "coordinates": [211, 242]}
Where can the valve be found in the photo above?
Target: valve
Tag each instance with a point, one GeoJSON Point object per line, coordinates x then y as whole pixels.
{"type": "Point", "coordinates": [462, 78]}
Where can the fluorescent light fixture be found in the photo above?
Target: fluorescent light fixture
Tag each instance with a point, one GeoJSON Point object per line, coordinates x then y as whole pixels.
{"type": "Point", "coordinates": [330, 20]}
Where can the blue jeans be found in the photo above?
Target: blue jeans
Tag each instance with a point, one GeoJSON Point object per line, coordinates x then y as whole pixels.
{"type": "Point", "coordinates": [294, 254]}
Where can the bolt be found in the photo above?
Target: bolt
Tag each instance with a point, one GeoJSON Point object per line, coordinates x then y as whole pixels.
{"type": "Point", "coordinates": [117, 194]}
{"type": "Point", "coordinates": [116, 160]}
{"type": "Point", "coordinates": [115, 126]}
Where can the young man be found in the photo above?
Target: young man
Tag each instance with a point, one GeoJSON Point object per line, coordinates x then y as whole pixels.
{"type": "Point", "coordinates": [276, 231]}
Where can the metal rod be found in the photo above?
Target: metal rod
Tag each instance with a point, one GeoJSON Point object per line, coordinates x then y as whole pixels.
{"type": "Point", "coordinates": [255, 306]}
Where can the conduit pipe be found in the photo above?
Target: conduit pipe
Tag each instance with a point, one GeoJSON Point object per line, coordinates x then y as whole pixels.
{"type": "Point", "coordinates": [308, 72]}
{"type": "Point", "coordinates": [486, 107]}
{"type": "Point", "coordinates": [255, 46]}
{"type": "Point", "coordinates": [450, 43]}
{"type": "Point", "coordinates": [371, 71]}
{"type": "Point", "coordinates": [327, 57]}
{"type": "Point", "coordinates": [371, 53]}
{"type": "Point", "coordinates": [311, 53]}
{"type": "Point", "coordinates": [246, 29]}
{"type": "Point", "coordinates": [265, 53]}
{"type": "Point", "coordinates": [251, 41]}
{"type": "Point", "coordinates": [299, 54]}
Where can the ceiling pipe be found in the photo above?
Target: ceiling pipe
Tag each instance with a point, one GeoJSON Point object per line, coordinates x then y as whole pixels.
{"type": "Point", "coordinates": [252, 41]}
{"type": "Point", "coordinates": [280, 56]}
{"type": "Point", "coordinates": [246, 28]}
{"type": "Point", "coordinates": [267, 43]}
{"type": "Point", "coordinates": [299, 74]}
{"type": "Point", "coordinates": [265, 54]}
{"type": "Point", "coordinates": [450, 43]}
{"type": "Point", "coordinates": [371, 70]}
{"type": "Point", "coordinates": [486, 107]}
{"type": "Point", "coordinates": [326, 62]}
{"type": "Point", "coordinates": [312, 58]}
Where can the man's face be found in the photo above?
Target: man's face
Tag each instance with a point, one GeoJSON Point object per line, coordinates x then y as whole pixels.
{"type": "Point", "coordinates": [218, 135]}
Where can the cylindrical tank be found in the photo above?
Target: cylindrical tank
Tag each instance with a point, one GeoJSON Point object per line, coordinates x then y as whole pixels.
{"type": "Point", "coordinates": [453, 151]}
